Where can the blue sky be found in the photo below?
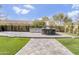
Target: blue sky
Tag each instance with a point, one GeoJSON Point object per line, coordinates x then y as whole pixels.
{"type": "Point", "coordinates": [29, 12]}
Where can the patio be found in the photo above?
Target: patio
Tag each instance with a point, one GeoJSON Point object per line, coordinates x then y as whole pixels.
{"type": "Point", "coordinates": [34, 35]}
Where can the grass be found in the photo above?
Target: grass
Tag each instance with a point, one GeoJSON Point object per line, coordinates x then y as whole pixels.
{"type": "Point", "coordinates": [11, 45]}
{"type": "Point", "coordinates": [71, 44]}
{"type": "Point", "coordinates": [72, 34]}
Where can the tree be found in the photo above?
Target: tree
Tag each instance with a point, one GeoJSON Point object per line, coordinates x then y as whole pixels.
{"type": "Point", "coordinates": [59, 18]}
{"type": "Point", "coordinates": [45, 18]}
{"type": "Point", "coordinates": [63, 19]}
{"type": "Point", "coordinates": [68, 24]}
{"type": "Point", "coordinates": [38, 23]}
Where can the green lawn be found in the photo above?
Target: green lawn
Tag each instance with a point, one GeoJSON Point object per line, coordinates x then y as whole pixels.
{"type": "Point", "coordinates": [71, 44]}
{"type": "Point", "coordinates": [72, 34]}
{"type": "Point", "coordinates": [10, 46]}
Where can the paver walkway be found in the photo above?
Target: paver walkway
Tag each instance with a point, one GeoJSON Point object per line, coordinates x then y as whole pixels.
{"type": "Point", "coordinates": [37, 46]}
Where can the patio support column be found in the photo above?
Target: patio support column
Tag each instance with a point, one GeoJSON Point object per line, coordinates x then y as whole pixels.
{"type": "Point", "coordinates": [17, 28]}
{"type": "Point", "coordinates": [25, 28]}
{"type": "Point", "coordinates": [22, 28]}
{"type": "Point", "coordinates": [9, 27]}
{"type": "Point", "coordinates": [12, 27]}
{"type": "Point", "coordinates": [0, 27]}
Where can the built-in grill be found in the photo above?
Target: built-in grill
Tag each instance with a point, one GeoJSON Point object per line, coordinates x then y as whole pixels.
{"type": "Point", "coordinates": [48, 30]}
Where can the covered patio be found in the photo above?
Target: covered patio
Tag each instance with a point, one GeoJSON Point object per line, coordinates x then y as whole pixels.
{"type": "Point", "coordinates": [34, 35]}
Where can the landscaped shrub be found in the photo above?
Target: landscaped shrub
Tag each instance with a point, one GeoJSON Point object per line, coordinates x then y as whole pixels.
{"type": "Point", "coordinates": [60, 28]}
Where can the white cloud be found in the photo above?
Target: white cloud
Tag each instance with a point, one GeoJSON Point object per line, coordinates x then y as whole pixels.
{"type": "Point", "coordinates": [17, 9]}
{"type": "Point", "coordinates": [39, 18]}
{"type": "Point", "coordinates": [75, 6]}
{"type": "Point", "coordinates": [20, 10]}
{"type": "Point", "coordinates": [73, 13]}
{"type": "Point", "coordinates": [24, 11]}
{"type": "Point", "coordinates": [29, 6]}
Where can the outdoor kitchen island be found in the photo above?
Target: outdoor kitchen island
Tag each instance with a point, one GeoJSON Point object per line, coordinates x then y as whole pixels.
{"type": "Point", "coordinates": [48, 30]}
